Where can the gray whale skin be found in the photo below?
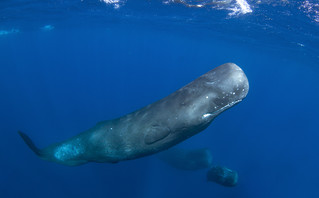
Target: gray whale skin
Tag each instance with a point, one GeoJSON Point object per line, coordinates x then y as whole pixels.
{"type": "Point", "coordinates": [157, 126]}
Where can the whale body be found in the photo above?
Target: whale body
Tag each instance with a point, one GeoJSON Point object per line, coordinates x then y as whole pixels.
{"type": "Point", "coordinates": [155, 127]}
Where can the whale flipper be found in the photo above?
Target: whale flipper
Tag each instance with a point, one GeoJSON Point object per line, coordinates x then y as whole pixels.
{"type": "Point", "coordinates": [30, 143]}
{"type": "Point", "coordinates": [156, 133]}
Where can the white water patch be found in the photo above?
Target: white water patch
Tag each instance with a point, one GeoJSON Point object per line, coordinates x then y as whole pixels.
{"type": "Point", "coordinates": [311, 8]}
{"type": "Point", "coordinates": [241, 7]}
{"type": "Point", "coordinates": [6, 32]}
{"type": "Point", "coordinates": [237, 7]}
{"type": "Point", "coordinates": [47, 28]}
{"type": "Point", "coordinates": [115, 3]}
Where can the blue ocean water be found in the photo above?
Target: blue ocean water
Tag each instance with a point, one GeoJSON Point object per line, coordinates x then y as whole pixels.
{"type": "Point", "coordinates": [67, 64]}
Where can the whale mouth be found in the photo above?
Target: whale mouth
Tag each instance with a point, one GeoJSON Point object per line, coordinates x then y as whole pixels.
{"type": "Point", "coordinates": [222, 109]}
{"type": "Point", "coordinates": [229, 105]}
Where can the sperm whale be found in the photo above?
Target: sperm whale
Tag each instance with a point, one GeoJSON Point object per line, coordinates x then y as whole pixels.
{"type": "Point", "coordinates": [155, 127]}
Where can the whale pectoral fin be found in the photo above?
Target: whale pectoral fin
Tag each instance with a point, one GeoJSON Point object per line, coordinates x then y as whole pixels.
{"type": "Point", "coordinates": [156, 133]}
{"type": "Point", "coordinates": [30, 144]}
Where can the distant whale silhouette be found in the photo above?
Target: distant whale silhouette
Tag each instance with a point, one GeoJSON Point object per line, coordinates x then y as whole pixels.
{"type": "Point", "coordinates": [196, 159]}
{"type": "Point", "coordinates": [187, 159]}
{"type": "Point", "coordinates": [157, 126]}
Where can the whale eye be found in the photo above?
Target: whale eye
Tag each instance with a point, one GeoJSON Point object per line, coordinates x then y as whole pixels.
{"type": "Point", "coordinates": [156, 133]}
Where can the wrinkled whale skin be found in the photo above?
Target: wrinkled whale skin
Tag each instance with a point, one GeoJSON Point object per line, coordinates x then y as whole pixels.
{"type": "Point", "coordinates": [157, 126]}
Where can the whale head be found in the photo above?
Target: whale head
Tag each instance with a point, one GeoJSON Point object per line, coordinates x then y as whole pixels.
{"type": "Point", "coordinates": [226, 85]}
{"type": "Point", "coordinates": [211, 94]}
{"type": "Point", "coordinates": [192, 108]}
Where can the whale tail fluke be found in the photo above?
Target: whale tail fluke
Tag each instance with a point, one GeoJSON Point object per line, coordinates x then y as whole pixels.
{"type": "Point", "coordinates": [30, 144]}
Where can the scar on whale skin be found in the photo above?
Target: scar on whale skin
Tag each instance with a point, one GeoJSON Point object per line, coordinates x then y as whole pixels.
{"type": "Point", "coordinates": [157, 126]}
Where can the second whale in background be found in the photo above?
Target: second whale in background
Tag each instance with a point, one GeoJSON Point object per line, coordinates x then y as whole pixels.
{"type": "Point", "coordinates": [187, 159]}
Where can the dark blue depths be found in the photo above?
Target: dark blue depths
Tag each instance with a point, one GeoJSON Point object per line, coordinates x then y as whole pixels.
{"type": "Point", "coordinates": [56, 84]}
